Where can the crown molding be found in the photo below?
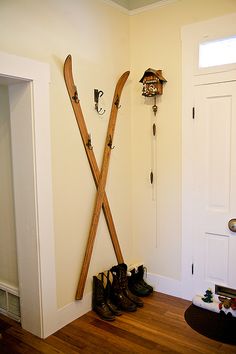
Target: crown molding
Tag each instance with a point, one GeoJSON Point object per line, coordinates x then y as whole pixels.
{"type": "Point", "coordinates": [115, 5]}
{"type": "Point", "coordinates": [157, 4]}
{"type": "Point", "coordinates": [160, 3]}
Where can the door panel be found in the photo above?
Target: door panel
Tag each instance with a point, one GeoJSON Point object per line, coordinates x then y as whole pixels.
{"type": "Point", "coordinates": [218, 125]}
{"type": "Point", "coordinates": [214, 185]}
{"type": "Point", "coordinates": [216, 249]}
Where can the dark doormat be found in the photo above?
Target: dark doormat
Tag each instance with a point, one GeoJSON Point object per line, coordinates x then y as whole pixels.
{"type": "Point", "coordinates": [3, 326]}
{"type": "Point", "coordinates": [213, 325]}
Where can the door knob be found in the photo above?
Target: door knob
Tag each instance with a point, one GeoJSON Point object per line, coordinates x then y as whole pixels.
{"type": "Point", "coordinates": [232, 225]}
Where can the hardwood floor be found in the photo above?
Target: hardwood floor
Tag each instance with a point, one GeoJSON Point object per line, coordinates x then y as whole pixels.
{"type": "Point", "coordinates": [159, 327]}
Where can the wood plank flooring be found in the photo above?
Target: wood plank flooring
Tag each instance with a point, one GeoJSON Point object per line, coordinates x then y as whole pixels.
{"type": "Point", "coordinates": [159, 327]}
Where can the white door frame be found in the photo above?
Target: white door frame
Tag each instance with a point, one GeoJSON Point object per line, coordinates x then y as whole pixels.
{"type": "Point", "coordinates": [191, 36]}
{"type": "Point", "coordinates": [28, 83]}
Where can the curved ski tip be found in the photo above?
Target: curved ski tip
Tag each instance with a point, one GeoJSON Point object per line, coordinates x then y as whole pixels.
{"type": "Point", "coordinates": [68, 63]}
{"type": "Point", "coordinates": [126, 74]}
{"type": "Point", "coordinates": [69, 57]}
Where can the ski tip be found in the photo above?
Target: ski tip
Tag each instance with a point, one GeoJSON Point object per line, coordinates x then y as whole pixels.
{"type": "Point", "coordinates": [68, 58]}
{"type": "Point", "coordinates": [126, 74]}
{"type": "Point", "coordinates": [67, 64]}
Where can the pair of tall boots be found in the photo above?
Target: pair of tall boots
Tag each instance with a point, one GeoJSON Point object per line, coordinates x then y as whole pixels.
{"type": "Point", "coordinates": [101, 298]}
{"type": "Point", "coordinates": [121, 294]}
{"type": "Point", "coordinates": [111, 293]}
{"type": "Point", "coordinates": [137, 284]}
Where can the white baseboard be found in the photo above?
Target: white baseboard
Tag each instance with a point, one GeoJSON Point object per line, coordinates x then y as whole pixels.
{"type": "Point", "coordinates": [78, 308]}
{"type": "Point", "coordinates": [165, 285]}
{"type": "Point", "coordinates": [74, 310]}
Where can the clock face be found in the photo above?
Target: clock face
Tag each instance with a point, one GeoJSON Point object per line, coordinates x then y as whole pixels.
{"type": "Point", "coordinates": [149, 90]}
{"type": "Point", "coordinates": [150, 87]}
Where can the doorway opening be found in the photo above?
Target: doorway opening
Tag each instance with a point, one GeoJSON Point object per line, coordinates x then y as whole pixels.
{"type": "Point", "coordinates": [9, 289]}
{"type": "Point", "coordinates": [28, 88]}
{"type": "Point", "coordinates": [195, 76]}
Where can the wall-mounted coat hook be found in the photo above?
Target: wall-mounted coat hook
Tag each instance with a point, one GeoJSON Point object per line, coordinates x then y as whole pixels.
{"type": "Point", "coordinates": [98, 94]}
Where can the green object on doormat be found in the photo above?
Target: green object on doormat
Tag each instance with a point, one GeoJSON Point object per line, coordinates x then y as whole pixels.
{"type": "Point", "coordinates": [208, 296]}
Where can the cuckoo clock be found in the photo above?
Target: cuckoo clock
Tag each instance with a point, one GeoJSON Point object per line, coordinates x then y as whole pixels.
{"type": "Point", "coordinates": [152, 81]}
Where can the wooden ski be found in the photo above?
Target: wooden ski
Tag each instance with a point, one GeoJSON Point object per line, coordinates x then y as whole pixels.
{"type": "Point", "coordinates": [99, 178]}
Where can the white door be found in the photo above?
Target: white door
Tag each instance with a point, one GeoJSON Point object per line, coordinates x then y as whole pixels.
{"type": "Point", "coordinates": [214, 197]}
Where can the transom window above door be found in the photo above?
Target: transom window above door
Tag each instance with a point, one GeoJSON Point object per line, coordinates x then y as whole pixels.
{"type": "Point", "coordinates": [217, 52]}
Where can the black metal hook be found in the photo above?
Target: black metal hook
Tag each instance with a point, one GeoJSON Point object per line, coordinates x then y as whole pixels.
{"type": "Point", "coordinates": [98, 94]}
{"type": "Point", "coordinates": [110, 143]}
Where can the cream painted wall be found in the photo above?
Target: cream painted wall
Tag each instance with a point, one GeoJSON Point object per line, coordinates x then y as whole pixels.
{"type": "Point", "coordinates": [155, 38]}
{"type": "Point", "coordinates": [8, 259]}
{"type": "Point", "coordinates": [97, 36]}
{"type": "Point", "coordinates": [103, 40]}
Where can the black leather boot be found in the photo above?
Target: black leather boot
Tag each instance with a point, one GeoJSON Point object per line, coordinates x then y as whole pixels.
{"type": "Point", "coordinates": [140, 276]}
{"type": "Point", "coordinates": [98, 301]}
{"type": "Point", "coordinates": [134, 285]}
{"type": "Point", "coordinates": [118, 297]}
{"type": "Point", "coordinates": [108, 288]}
{"type": "Point", "coordinates": [121, 270]}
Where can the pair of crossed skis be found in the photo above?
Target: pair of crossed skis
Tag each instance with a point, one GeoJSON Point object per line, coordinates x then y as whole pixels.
{"type": "Point", "coordinates": [99, 177]}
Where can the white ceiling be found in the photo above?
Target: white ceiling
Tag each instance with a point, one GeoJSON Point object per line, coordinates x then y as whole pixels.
{"type": "Point", "coordinates": [135, 4]}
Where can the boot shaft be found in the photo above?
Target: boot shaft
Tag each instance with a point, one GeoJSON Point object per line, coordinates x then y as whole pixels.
{"type": "Point", "coordinates": [136, 284]}
{"type": "Point", "coordinates": [98, 291]}
{"type": "Point", "coordinates": [120, 272]}
{"type": "Point", "coordinates": [99, 304]}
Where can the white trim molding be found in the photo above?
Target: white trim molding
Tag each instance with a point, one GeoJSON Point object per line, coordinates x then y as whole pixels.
{"type": "Point", "coordinates": [74, 310]}
{"type": "Point", "coordinates": [116, 6]}
{"type": "Point", "coordinates": [153, 6]}
{"type": "Point", "coordinates": [165, 285]}
{"type": "Point", "coordinates": [192, 35]}
{"type": "Point", "coordinates": [139, 10]}
{"type": "Point", "coordinates": [28, 84]}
